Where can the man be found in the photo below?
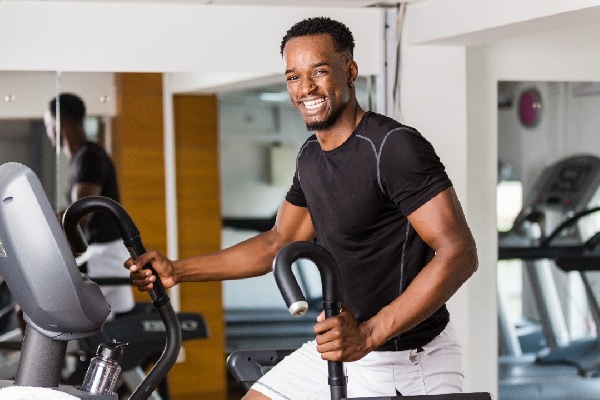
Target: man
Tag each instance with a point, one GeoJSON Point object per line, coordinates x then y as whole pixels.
{"type": "Point", "coordinates": [373, 193]}
{"type": "Point", "coordinates": [91, 173]}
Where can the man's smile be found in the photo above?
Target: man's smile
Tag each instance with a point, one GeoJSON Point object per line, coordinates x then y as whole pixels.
{"type": "Point", "coordinates": [313, 104]}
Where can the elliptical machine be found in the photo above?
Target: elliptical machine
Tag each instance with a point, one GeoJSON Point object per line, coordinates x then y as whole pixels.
{"type": "Point", "coordinates": [557, 228]}
{"type": "Point", "coordinates": [59, 304]}
{"type": "Point", "coordinates": [245, 366]}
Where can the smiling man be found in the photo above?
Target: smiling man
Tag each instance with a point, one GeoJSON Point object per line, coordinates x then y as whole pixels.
{"type": "Point", "coordinates": [376, 196]}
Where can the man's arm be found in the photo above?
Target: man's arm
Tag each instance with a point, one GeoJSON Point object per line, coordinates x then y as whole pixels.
{"type": "Point", "coordinates": [442, 225]}
{"type": "Point", "coordinates": [249, 258]}
{"type": "Point", "coordinates": [79, 191]}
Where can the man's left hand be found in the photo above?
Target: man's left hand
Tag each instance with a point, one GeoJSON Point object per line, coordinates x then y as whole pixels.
{"type": "Point", "coordinates": [341, 338]}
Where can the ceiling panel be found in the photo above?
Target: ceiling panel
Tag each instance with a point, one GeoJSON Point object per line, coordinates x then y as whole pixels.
{"type": "Point", "coordinates": [279, 3]}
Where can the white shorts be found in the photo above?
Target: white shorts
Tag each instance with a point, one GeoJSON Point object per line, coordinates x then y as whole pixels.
{"type": "Point", "coordinates": [436, 368]}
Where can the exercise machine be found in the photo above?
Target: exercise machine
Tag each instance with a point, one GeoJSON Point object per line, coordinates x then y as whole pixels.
{"type": "Point", "coordinates": [557, 231]}
{"type": "Point", "coordinates": [60, 304]}
{"type": "Point", "coordinates": [557, 228]}
{"type": "Point", "coordinates": [145, 331]}
{"type": "Point", "coordinates": [10, 333]}
{"type": "Point", "coordinates": [246, 367]}
{"type": "Point", "coordinates": [142, 328]}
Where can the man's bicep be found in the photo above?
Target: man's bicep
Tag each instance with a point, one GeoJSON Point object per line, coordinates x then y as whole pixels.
{"type": "Point", "coordinates": [293, 223]}
{"type": "Point", "coordinates": [441, 220]}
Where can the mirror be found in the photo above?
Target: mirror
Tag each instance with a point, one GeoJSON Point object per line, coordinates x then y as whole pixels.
{"type": "Point", "coordinates": [547, 315]}
{"type": "Point", "coordinates": [26, 97]}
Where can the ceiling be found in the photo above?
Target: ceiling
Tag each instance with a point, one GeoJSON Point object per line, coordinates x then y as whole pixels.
{"type": "Point", "coordinates": [306, 3]}
{"type": "Point", "coordinates": [280, 3]}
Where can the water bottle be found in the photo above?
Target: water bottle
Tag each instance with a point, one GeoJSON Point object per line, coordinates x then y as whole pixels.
{"type": "Point", "coordinates": [103, 372]}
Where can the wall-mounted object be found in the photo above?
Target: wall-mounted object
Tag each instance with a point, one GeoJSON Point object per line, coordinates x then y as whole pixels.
{"type": "Point", "coordinates": [530, 107]}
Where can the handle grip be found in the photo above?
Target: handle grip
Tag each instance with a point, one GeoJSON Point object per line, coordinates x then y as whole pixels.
{"type": "Point", "coordinates": [125, 225]}
{"type": "Point", "coordinates": [332, 294]}
{"type": "Point", "coordinates": [133, 242]}
{"type": "Point", "coordinates": [288, 285]}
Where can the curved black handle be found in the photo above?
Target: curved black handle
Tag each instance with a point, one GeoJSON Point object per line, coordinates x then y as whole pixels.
{"type": "Point", "coordinates": [332, 294]}
{"type": "Point", "coordinates": [288, 285]}
{"type": "Point", "coordinates": [133, 242]}
{"type": "Point", "coordinates": [125, 225]}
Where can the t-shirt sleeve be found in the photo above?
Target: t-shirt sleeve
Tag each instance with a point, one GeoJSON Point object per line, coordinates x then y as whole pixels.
{"type": "Point", "coordinates": [295, 195]}
{"type": "Point", "coordinates": [90, 168]}
{"type": "Point", "coordinates": [411, 172]}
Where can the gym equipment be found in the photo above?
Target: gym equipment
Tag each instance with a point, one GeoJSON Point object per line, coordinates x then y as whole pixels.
{"type": "Point", "coordinates": [142, 327]}
{"type": "Point", "coordinates": [556, 228]}
{"type": "Point", "coordinates": [246, 367]}
{"type": "Point", "coordinates": [60, 304]}
{"type": "Point", "coordinates": [145, 331]}
{"type": "Point", "coordinates": [10, 334]}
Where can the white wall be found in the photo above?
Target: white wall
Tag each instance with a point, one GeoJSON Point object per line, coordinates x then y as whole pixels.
{"type": "Point", "coordinates": [561, 55]}
{"type": "Point", "coordinates": [153, 37]}
{"type": "Point", "coordinates": [457, 52]}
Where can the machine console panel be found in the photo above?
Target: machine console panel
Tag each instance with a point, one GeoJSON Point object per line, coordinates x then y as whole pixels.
{"type": "Point", "coordinates": [571, 184]}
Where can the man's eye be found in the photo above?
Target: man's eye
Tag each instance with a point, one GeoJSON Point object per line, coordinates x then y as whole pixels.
{"type": "Point", "coordinates": [292, 78]}
{"type": "Point", "coordinates": [320, 72]}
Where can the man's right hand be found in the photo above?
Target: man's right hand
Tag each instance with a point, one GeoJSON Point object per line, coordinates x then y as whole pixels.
{"type": "Point", "coordinates": [143, 278]}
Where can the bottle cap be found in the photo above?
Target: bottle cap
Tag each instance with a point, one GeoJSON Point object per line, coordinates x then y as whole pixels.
{"type": "Point", "coordinates": [113, 350]}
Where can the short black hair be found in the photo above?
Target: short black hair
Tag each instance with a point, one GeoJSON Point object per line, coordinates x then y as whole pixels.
{"type": "Point", "coordinates": [341, 35]}
{"type": "Point", "coordinates": [71, 107]}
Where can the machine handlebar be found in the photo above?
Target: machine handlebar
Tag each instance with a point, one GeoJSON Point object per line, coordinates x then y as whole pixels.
{"type": "Point", "coordinates": [160, 299]}
{"type": "Point", "coordinates": [332, 294]}
{"type": "Point", "coordinates": [125, 225]}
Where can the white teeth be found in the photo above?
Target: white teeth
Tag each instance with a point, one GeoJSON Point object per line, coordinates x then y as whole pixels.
{"type": "Point", "coordinates": [312, 104]}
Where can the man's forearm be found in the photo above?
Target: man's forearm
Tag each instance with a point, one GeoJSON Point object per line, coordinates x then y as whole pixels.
{"type": "Point", "coordinates": [252, 257]}
{"type": "Point", "coordinates": [429, 291]}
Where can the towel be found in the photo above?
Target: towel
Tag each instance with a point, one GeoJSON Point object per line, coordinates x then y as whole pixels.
{"type": "Point", "coordinates": [33, 393]}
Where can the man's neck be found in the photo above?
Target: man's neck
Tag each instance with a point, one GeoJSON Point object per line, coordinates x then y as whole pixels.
{"type": "Point", "coordinates": [345, 125]}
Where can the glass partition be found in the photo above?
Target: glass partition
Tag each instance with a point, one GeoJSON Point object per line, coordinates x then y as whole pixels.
{"type": "Point", "coordinates": [548, 174]}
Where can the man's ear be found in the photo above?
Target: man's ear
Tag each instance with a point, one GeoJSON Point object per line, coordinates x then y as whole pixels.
{"type": "Point", "coordinates": [352, 72]}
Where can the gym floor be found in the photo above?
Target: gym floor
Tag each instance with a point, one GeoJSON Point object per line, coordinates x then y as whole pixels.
{"type": "Point", "coordinates": [524, 379]}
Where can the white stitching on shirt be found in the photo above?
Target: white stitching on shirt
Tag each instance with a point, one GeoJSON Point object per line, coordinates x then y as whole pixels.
{"type": "Point", "coordinates": [378, 154]}
{"type": "Point", "coordinates": [403, 256]}
{"type": "Point", "coordinates": [272, 390]}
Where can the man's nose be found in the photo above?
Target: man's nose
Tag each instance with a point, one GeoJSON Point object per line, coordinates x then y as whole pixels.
{"type": "Point", "coordinates": [307, 86]}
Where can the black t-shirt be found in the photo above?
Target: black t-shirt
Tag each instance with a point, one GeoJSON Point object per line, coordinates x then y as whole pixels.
{"type": "Point", "coordinates": [358, 196]}
{"type": "Point", "coordinates": [91, 164]}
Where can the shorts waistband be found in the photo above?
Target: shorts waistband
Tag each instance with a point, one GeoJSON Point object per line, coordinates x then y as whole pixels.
{"type": "Point", "coordinates": [394, 344]}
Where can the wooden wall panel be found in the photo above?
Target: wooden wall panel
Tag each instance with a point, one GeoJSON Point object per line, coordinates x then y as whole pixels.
{"type": "Point", "coordinates": [199, 223]}
{"type": "Point", "coordinates": [138, 155]}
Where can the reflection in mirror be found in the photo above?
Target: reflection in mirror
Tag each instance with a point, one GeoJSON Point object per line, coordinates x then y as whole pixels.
{"type": "Point", "coordinates": [26, 97]}
{"type": "Point", "coordinates": [548, 172]}
{"type": "Point", "coordinates": [24, 141]}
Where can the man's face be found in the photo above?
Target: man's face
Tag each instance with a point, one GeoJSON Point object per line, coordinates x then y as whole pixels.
{"type": "Point", "coordinates": [317, 79]}
{"type": "Point", "coordinates": [50, 123]}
